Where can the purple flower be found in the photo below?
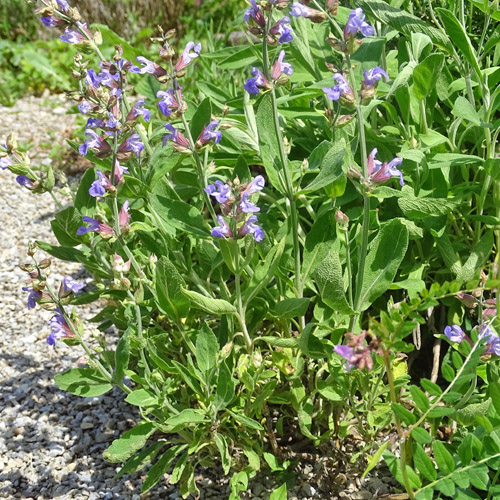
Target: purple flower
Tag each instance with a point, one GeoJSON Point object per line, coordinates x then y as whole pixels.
{"type": "Point", "coordinates": [181, 143]}
{"type": "Point", "coordinates": [284, 32]}
{"type": "Point", "coordinates": [98, 187]}
{"type": "Point", "coordinates": [252, 85]}
{"type": "Point", "coordinates": [94, 142]}
{"type": "Point", "coordinates": [94, 225]}
{"type": "Point", "coordinates": [191, 51]}
{"type": "Point", "coordinates": [220, 191]}
{"type": "Point", "coordinates": [209, 133]}
{"type": "Point", "coordinates": [25, 181]}
{"type": "Point", "coordinates": [5, 162]}
{"type": "Point", "coordinates": [50, 21]}
{"type": "Point", "coordinates": [454, 333]}
{"type": "Point", "coordinates": [72, 36]}
{"type": "Point", "coordinates": [300, 10]}
{"type": "Point", "coordinates": [356, 22]}
{"type": "Point", "coordinates": [148, 67]}
{"type": "Point", "coordinates": [256, 14]}
{"type": "Point", "coordinates": [63, 5]}
{"type": "Point", "coordinates": [338, 90]}
{"type": "Point", "coordinates": [222, 230]}
{"type": "Point", "coordinates": [347, 353]}
{"type": "Point", "coordinates": [58, 329]}
{"type": "Point", "coordinates": [492, 339]}
{"type": "Point", "coordinates": [246, 206]}
{"type": "Point", "coordinates": [139, 110]}
{"type": "Point", "coordinates": [32, 297]}
{"type": "Point", "coordinates": [380, 172]}
{"type": "Point", "coordinates": [257, 184]}
{"type": "Point", "coordinates": [168, 101]}
{"type": "Point", "coordinates": [124, 216]}
{"type": "Point", "coordinates": [281, 68]}
{"type": "Point", "coordinates": [93, 123]}
{"type": "Point", "coordinates": [373, 75]}
{"type": "Point", "coordinates": [133, 143]}
{"type": "Point", "coordinates": [249, 227]}
{"type": "Point", "coordinates": [92, 79]}
{"type": "Point", "coordinates": [70, 285]}
{"type": "Point", "coordinates": [85, 107]}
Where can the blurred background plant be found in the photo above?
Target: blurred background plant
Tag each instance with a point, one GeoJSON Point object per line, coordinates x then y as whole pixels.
{"type": "Point", "coordinates": [32, 60]}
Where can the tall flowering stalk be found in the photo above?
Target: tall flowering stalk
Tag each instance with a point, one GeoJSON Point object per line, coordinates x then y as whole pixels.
{"type": "Point", "coordinates": [268, 79]}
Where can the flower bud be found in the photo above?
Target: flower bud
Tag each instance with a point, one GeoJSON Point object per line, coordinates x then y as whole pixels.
{"type": "Point", "coordinates": [119, 265]}
{"type": "Point", "coordinates": [11, 142]}
{"type": "Point", "coordinates": [344, 120]}
{"type": "Point", "coordinates": [341, 218]}
{"type": "Point", "coordinates": [332, 6]}
{"type": "Point", "coordinates": [26, 267]}
{"type": "Point", "coordinates": [45, 263]}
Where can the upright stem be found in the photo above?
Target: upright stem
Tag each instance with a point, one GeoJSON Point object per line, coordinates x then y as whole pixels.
{"type": "Point", "coordinates": [366, 200]}
{"type": "Point", "coordinates": [288, 184]}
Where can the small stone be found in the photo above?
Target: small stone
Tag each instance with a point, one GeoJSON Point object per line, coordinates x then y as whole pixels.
{"type": "Point", "coordinates": [308, 490]}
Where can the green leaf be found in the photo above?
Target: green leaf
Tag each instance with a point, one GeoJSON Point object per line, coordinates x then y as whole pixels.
{"type": "Point", "coordinates": [224, 392]}
{"type": "Point", "coordinates": [330, 171]}
{"type": "Point", "coordinates": [479, 477]}
{"type": "Point", "coordinates": [420, 208]}
{"type": "Point", "coordinates": [382, 262]}
{"type": "Point", "coordinates": [460, 38]}
{"type": "Point", "coordinates": [65, 225]}
{"type": "Point", "coordinates": [494, 390]}
{"type": "Point", "coordinates": [264, 272]}
{"type": "Point", "coordinates": [440, 411]}
{"type": "Point", "coordinates": [330, 282]}
{"type": "Point", "coordinates": [180, 215]}
{"type": "Point", "coordinates": [109, 36]}
{"type": "Point", "coordinates": [318, 242]}
{"type": "Point", "coordinates": [464, 109]}
{"type": "Point", "coordinates": [291, 308]}
{"type": "Point", "coordinates": [446, 486]}
{"type": "Point", "coordinates": [131, 441]}
{"type": "Point", "coordinates": [375, 459]}
{"type": "Point", "coordinates": [161, 466]}
{"type": "Point", "coordinates": [432, 388]}
{"type": "Point", "coordinates": [419, 397]}
{"type": "Point", "coordinates": [268, 143]}
{"type": "Point", "coordinates": [148, 86]}
{"type": "Point", "coordinates": [279, 493]}
{"type": "Point", "coordinates": [421, 435]}
{"type": "Point", "coordinates": [403, 414]}
{"type": "Point", "coordinates": [309, 344]}
{"type": "Point", "coordinates": [244, 58]}
{"type": "Point", "coordinates": [478, 256]}
{"type": "Point", "coordinates": [122, 355]}
{"type": "Point", "coordinates": [404, 22]}
{"type": "Point", "coordinates": [139, 461]}
{"type": "Point", "coordinates": [465, 449]}
{"type": "Point", "coordinates": [85, 382]}
{"type": "Point", "coordinates": [426, 74]}
{"type": "Point", "coordinates": [201, 118]}
{"type": "Point", "coordinates": [83, 201]}
{"type": "Point", "coordinates": [423, 463]}
{"type": "Point", "coordinates": [169, 285]}
{"type": "Point", "coordinates": [207, 304]}
{"type": "Point", "coordinates": [443, 457]}
{"type": "Point", "coordinates": [246, 421]}
{"type": "Point", "coordinates": [207, 349]}
{"type": "Point", "coordinates": [68, 254]}
{"type": "Point", "coordinates": [141, 397]}
{"type": "Point", "coordinates": [221, 443]}
{"type": "Point", "coordinates": [186, 417]}
{"type": "Point", "coordinates": [291, 343]}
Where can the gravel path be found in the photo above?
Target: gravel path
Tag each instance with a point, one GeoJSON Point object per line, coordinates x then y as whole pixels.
{"type": "Point", "coordinates": [51, 442]}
